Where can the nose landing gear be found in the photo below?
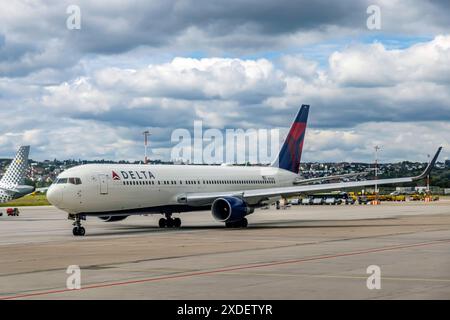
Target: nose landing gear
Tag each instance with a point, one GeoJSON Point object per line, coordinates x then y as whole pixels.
{"type": "Point", "coordinates": [78, 230]}
{"type": "Point", "coordinates": [169, 222]}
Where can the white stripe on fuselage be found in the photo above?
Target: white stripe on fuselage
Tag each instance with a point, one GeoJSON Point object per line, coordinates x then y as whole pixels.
{"type": "Point", "coordinates": [142, 186]}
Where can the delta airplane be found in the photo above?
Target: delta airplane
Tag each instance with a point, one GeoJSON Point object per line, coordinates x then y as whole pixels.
{"type": "Point", "coordinates": [12, 183]}
{"type": "Point", "coordinates": [113, 192]}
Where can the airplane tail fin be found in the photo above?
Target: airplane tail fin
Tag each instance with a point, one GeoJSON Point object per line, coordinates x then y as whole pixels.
{"type": "Point", "coordinates": [291, 151]}
{"type": "Point", "coordinates": [15, 174]}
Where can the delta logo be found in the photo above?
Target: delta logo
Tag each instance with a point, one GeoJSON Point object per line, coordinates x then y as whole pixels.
{"type": "Point", "coordinates": [133, 175]}
{"type": "Point", "coordinates": [115, 176]}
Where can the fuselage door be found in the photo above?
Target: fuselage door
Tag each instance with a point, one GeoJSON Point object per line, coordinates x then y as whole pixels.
{"type": "Point", "coordinates": [103, 179]}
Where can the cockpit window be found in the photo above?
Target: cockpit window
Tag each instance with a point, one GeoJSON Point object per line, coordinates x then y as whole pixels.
{"type": "Point", "coordinates": [68, 180]}
{"type": "Point", "coordinates": [75, 180]}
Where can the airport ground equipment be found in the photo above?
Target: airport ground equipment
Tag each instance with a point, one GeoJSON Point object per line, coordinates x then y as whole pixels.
{"type": "Point", "coordinates": [12, 212]}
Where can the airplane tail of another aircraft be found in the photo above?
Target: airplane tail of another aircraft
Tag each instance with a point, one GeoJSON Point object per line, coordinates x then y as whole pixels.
{"type": "Point", "coordinates": [15, 174]}
{"type": "Point", "coordinates": [291, 151]}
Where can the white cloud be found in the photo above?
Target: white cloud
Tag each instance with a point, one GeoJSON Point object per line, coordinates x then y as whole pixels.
{"type": "Point", "coordinates": [79, 95]}
{"type": "Point", "coordinates": [374, 65]}
{"type": "Point", "coordinates": [367, 94]}
{"type": "Point", "coordinates": [398, 141]}
{"type": "Point", "coordinates": [209, 78]}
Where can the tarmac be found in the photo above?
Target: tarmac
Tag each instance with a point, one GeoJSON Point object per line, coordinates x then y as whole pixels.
{"type": "Point", "coordinates": [303, 252]}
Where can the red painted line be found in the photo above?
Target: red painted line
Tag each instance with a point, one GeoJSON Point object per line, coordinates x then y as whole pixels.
{"type": "Point", "coordinates": [215, 271]}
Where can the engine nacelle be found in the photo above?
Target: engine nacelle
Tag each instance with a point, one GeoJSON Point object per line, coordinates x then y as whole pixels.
{"type": "Point", "coordinates": [230, 209]}
{"type": "Point", "coordinates": [113, 218]}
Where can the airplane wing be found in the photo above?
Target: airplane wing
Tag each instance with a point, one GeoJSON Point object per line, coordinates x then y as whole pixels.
{"type": "Point", "coordinates": [256, 195]}
{"type": "Point", "coordinates": [327, 178]}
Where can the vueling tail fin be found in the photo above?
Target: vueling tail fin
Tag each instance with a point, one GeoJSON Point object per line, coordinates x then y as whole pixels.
{"type": "Point", "coordinates": [291, 151]}
{"type": "Point", "coordinates": [15, 174]}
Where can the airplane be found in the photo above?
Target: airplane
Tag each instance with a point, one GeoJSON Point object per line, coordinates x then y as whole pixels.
{"type": "Point", "coordinates": [113, 192]}
{"type": "Point", "coordinates": [12, 183]}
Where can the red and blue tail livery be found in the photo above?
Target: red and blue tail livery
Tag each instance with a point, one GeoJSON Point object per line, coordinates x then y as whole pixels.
{"type": "Point", "coordinates": [291, 152]}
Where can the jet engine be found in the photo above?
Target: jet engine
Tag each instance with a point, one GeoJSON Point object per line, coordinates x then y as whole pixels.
{"type": "Point", "coordinates": [230, 209]}
{"type": "Point", "coordinates": [113, 218]}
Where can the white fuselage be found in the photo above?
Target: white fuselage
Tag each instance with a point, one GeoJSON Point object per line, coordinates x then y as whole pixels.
{"type": "Point", "coordinates": [100, 189]}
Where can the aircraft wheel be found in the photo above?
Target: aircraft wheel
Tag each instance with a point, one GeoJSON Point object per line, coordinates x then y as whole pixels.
{"type": "Point", "coordinates": [81, 231]}
{"type": "Point", "coordinates": [244, 223]}
{"type": "Point", "coordinates": [177, 222]}
{"type": "Point", "coordinates": [162, 223]}
{"type": "Point", "coordinates": [170, 223]}
{"type": "Point", "coordinates": [78, 231]}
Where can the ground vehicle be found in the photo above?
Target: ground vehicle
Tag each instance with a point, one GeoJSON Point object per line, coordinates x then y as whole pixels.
{"type": "Point", "coordinates": [337, 197]}
{"type": "Point", "coordinates": [318, 201]}
{"type": "Point", "coordinates": [295, 201]}
{"type": "Point", "coordinates": [333, 200]}
{"type": "Point", "coordinates": [363, 200]}
{"type": "Point", "coordinates": [350, 200]}
{"type": "Point", "coordinates": [416, 197]}
{"type": "Point", "coordinates": [394, 197]}
{"type": "Point", "coordinates": [12, 212]}
{"type": "Point", "coordinates": [307, 201]}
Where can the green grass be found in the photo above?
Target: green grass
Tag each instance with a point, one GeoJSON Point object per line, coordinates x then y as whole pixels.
{"type": "Point", "coordinates": [29, 200]}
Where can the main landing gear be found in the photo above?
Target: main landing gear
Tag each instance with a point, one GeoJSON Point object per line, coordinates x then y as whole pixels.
{"type": "Point", "coordinates": [169, 222]}
{"type": "Point", "coordinates": [237, 224]}
{"type": "Point", "coordinates": [78, 230]}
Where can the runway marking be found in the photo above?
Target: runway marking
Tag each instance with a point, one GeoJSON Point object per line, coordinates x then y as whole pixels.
{"type": "Point", "coordinates": [236, 268]}
{"type": "Point", "coordinates": [265, 274]}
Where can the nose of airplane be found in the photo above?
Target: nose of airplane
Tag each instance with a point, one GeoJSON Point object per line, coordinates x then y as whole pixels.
{"type": "Point", "coordinates": [54, 195]}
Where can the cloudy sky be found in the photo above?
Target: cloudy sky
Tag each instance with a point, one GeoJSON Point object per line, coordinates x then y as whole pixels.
{"type": "Point", "coordinates": [162, 64]}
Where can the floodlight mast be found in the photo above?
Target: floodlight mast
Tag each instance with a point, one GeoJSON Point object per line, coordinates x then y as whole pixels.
{"type": "Point", "coordinates": [146, 135]}
{"type": "Point", "coordinates": [376, 171]}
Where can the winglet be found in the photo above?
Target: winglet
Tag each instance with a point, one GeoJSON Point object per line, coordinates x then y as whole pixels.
{"type": "Point", "coordinates": [430, 166]}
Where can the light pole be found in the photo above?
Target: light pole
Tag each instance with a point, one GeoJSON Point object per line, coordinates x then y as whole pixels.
{"type": "Point", "coordinates": [146, 135]}
{"type": "Point", "coordinates": [428, 177]}
{"type": "Point", "coordinates": [376, 171]}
